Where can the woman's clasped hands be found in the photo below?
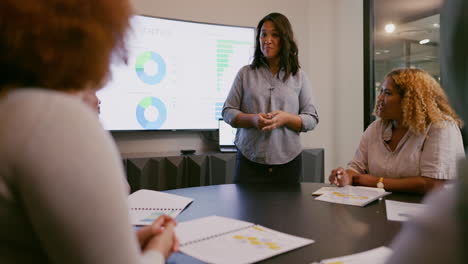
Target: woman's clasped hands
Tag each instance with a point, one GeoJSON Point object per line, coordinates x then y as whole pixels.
{"type": "Point", "coordinates": [272, 120]}
{"type": "Point", "coordinates": [159, 236]}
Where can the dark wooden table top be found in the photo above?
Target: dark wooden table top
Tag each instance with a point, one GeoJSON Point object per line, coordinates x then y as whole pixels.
{"type": "Point", "coordinates": [337, 229]}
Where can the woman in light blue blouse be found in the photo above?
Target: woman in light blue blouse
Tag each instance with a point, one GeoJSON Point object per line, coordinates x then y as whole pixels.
{"type": "Point", "coordinates": [271, 103]}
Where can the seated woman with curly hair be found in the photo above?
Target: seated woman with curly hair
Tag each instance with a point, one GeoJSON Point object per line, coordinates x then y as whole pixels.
{"type": "Point", "coordinates": [416, 143]}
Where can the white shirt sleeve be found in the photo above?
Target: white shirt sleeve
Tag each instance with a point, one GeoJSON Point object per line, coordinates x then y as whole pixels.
{"type": "Point", "coordinates": [442, 150]}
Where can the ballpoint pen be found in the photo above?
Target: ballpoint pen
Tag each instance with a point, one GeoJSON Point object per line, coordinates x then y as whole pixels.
{"type": "Point", "coordinates": [338, 176]}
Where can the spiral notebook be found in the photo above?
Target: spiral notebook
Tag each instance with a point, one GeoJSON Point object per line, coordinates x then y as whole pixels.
{"type": "Point", "coordinates": [216, 239]}
{"type": "Point", "coordinates": [147, 205]}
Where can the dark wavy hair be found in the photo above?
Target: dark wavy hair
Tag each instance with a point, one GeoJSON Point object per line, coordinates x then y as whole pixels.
{"type": "Point", "coordinates": [60, 44]}
{"type": "Point", "coordinates": [288, 54]}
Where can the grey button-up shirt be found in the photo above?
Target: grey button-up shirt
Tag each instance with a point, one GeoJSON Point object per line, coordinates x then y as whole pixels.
{"type": "Point", "coordinates": [258, 91]}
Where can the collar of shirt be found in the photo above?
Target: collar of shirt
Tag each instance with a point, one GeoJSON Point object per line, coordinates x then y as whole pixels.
{"type": "Point", "coordinates": [279, 76]}
{"type": "Point", "coordinates": [387, 135]}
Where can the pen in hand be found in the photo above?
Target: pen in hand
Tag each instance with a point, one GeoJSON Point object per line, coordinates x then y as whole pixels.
{"type": "Point", "coordinates": [337, 178]}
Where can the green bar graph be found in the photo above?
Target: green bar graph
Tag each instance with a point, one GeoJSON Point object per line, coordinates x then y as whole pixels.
{"type": "Point", "coordinates": [224, 46]}
{"type": "Point", "coordinates": [224, 41]}
{"type": "Point", "coordinates": [224, 50]}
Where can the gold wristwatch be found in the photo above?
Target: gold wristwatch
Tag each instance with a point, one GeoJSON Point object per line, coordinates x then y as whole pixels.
{"type": "Point", "coordinates": [380, 183]}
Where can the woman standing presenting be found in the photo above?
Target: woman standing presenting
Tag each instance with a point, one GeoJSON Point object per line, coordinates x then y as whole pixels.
{"type": "Point", "coordinates": [271, 103]}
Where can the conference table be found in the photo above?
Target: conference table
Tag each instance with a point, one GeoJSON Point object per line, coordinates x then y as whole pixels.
{"type": "Point", "coordinates": [336, 229]}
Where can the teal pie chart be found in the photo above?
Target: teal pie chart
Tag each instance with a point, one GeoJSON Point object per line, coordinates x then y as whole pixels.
{"type": "Point", "coordinates": [151, 113]}
{"type": "Point", "coordinates": [155, 67]}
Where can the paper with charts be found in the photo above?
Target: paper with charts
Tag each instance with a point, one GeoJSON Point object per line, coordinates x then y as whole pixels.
{"type": "Point", "coordinates": [352, 195]}
{"type": "Point", "coordinates": [147, 205]}
{"type": "Point", "coordinates": [374, 256]}
{"type": "Point", "coordinates": [216, 239]}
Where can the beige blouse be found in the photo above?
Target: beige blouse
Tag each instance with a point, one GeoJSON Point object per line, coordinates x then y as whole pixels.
{"type": "Point", "coordinates": [434, 154]}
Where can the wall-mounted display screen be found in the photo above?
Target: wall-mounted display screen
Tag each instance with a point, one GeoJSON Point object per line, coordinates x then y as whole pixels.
{"type": "Point", "coordinates": [177, 76]}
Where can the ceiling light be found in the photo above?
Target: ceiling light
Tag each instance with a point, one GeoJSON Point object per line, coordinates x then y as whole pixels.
{"type": "Point", "coordinates": [377, 53]}
{"type": "Point", "coordinates": [386, 51]}
{"type": "Point", "coordinates": [389, 28]}
{"type": "Point", "coordinates": [436, 25]}
{"type": "Point", "coordinates": [424, 41]}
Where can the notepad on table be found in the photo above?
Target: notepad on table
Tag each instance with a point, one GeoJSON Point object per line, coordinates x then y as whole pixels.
{"type": "Point", "coordinates": [324, 190]}
{"type": "Point", "coordinates": [352, 195]}
{"type": "Point", "coordinates": [147, 205]}
{"type": "Point", "coordinates": [216, 239]}
{"type": "Point", "coordinates": [401, 211]}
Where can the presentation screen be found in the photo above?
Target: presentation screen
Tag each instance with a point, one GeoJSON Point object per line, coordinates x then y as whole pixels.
{"type": "Point", "coordinates": [177, 76]}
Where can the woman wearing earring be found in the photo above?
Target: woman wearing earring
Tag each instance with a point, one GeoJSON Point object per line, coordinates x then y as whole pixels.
{"type": "Point", "coordinates": [270, 103]}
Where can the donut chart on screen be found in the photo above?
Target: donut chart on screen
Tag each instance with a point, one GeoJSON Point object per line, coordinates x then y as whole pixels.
{"type": "Point", "coordinates": [151, 113]}
{"type": "Point", "coordinates": [154, 77]}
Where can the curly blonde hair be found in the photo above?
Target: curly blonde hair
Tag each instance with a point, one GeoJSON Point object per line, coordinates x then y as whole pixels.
{"type": "Point", "coordinates": [423, 100]}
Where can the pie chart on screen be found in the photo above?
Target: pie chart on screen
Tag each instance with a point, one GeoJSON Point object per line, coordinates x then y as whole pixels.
{"type": "Point", "coordinates": [151, 113]}
{"type": "Point", "coordinates": [150, 67]}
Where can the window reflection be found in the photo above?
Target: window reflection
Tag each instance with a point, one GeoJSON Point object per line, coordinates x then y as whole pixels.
{"type": "Point", "coordinates": [413, 44]}
{"type": "Point", "coordinates": [406, 34]}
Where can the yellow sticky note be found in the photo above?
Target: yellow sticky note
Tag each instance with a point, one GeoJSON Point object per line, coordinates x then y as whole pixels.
{"type": "Point", "coordinates": [258, 228]}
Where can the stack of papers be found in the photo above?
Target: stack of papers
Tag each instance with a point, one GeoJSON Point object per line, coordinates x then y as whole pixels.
{"type": "Point", "coordinates": [400, 211]}
{"type": "Point", "coordinates": [351, 195]}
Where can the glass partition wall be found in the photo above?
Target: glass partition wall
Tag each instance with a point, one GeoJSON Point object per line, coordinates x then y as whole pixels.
{"type": "Point", "coordinates": [398, 33]}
